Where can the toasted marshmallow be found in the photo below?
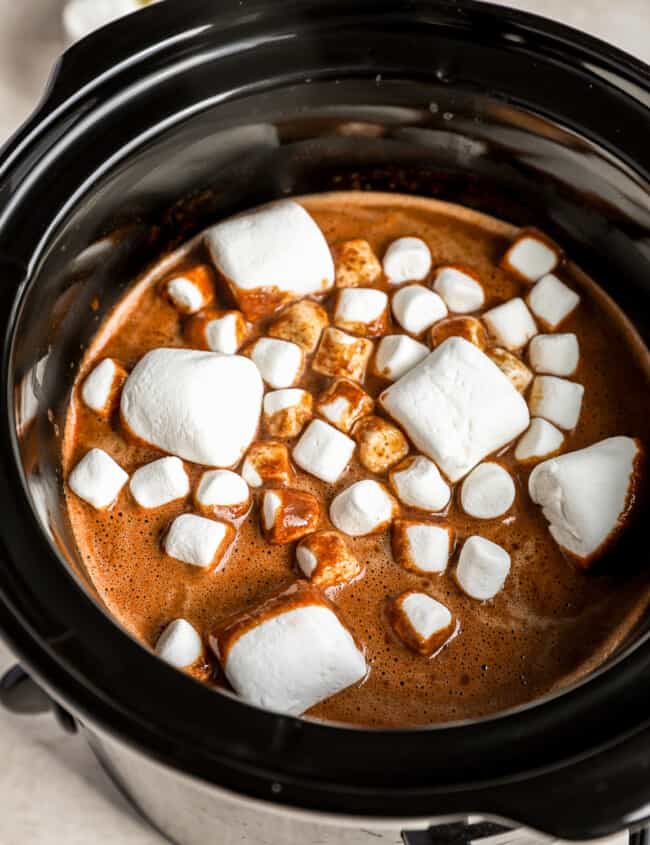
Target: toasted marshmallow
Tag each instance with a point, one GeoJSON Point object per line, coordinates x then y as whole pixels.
{"type": "Point", "coordinates": [301, 323]}
{"type": "Point", "coordinates": [286, 411]}
{"type": "Point", "coordinates": [200, 406]}
{"type": "Point", "coordinates": [511, 324]}
{"type": "Point", "coordinates": [191, 290]}
{"type": "Point", "coordinates": [179, 644]}
{"type": "Point", "coordinates": [100, 390]}
{"type": "Point", "coordinates": [290, 654]}
{"type": "Point", "coordinates": [342, 355]}
{"type": "Point", "coordinates": [356, 264]}
{"type": "Point", "coordinates": [218, 331]}
{"type": "Point", "coordinates": [482, 569]}
{"type": "Point", "coordinates": [222, 492]}
{"type": "Point", "coordinates": [288, 515]}
{"type": "Point", "coordinates": [323, 451]}
{"type": "Point", "coordinates": [325, 559]}
{"type": "Point", "coordinates": [557, 400]}
{"type": "Point", "coordinates": [362, 311]}
{"type": "Point", "coordinates": [397, 354]}
{"type": "Point", "coordinates": [457, 407]}
{"type": "Point", "coordinates": [512, 367]}
{"type": "Point", "coordinates": [470, 329]}
{"type": "Point", "coordinates": [381, 445]}
{"type": "Point", "coordinates": [198, 541]}
{"type": "Point", "coordinates": [551, 301]}
{"type": "Point", "coordinates": [418, 484]}
{"type": "Point", "coordinates": [423, 624]}
{"type": "Point", "coordinates": [270, 256]}
{"type": "Point", "coordinates": [280, 362]}
{"type": "Point", "coordinates": [365, 507]}
{"type": "Point", "coordinates": [267, 462]}
{"type": "Point", "coordinates": [407, 260]}
{"type": "Point", "coordinates": [421, 547]}
{"type": "Point", "coordinates": [343, 403]}
{"type": "Point", "coordinates": [97, 479]}
{"type": "Point", "coordinates": [460, 288]}
{"type": "Point", "coordinates": [488, 491]}
{"type": "Point", "coordinates": [159, 483]}
{"type": "Point", "coordinates": [555, 354]}
{"type": "Point", "coordinates": [541, 440]}
{"type": "Point", "coordinates": [531, 256]}
{"type": "Point", "coordinates": [417, 308]}
{"type": "Point", "coordinates": [586, 495]}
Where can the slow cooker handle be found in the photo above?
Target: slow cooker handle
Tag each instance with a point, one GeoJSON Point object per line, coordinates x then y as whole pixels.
{"type": "Point", "coordinates": [21, 695]}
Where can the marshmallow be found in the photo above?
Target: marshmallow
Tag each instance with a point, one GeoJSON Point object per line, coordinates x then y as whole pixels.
{"type": "Point", "coordinates": [417, 308]}
{"type": "Point", "coordinates": [511, 324]}
{"type": "Point", "coordinates": [423, 624]}
{"type": "Point", "coordinates": [159, 483]}
{"type": "Point", "coordinates": [286, 411]}
{"type": "Point", "coordinates": [267, 462]}
{"type": "Point", "coordinates": [325, 559]}
{"type": "Point", "coordinates": [362, 311]}
{"type": "Point", "coordinates": [541, 440]}
{"type": "Point", "coordinates": [482, 569]}
{"type": "Point", "coordinates": [191, 290]}
{"type": "Point", "coordinates": [356, 264]}
{"type": "Point", "coordinates": [487, 492]}
{"type": "Point", "coordinates": [512, 367]}
{"type": "Point", "coordinates": [531, 256]}
{"type": "Point", "coordinates": [418, 484]}
{"type": "Point", "coordinates": [97, 479]}
{"type": "Point", "coordinates": [457, 407]}
{"type": "Point", "coordinates": [460, 288]}
{"type": "Point", "coordinates": [342, 355]}
{"type": "Point", "coordinates": [302, 323]}
{"type": "Point", "coordinates": [551, 301]}
{"type": "Point", "coordinates": [280, 362]}
{"type": "Point", "coordinates": [291, 653]}
{"type": "Point", "coordinates": [198, 541]}
{"type": "Point", "coordinates": [365, 507]}
{"type": "Point", "coordinates": [288, 515]}
{"type": "Point", "coordinates": [586, 495]}
{"type": "Point", "coordinates": [406, 260]}
{"type": "Point", "coordinates": [421, 547]}
{"type": "Point", "coordinates": [470, 329]}
{"type": "Point", "coordinates": [323, 451]}
{"type": "Point", "coordinates": [222, 492]}
{"type": "Point", "coordinates": [343, 403]}
{"type": "Point", "coordinates": [381, 445]}
{"type": "Point", "coordinates": [201, 406]}
{"type": "Point", "coordinates": [101, 388]}
{"type": "Point", "coordinates": [218, 331]}
{"type": "Point", "coordinates": [397, 354]}
{"type": "Point", "coordinates": [179, 644]}
{"type": "Point", "coordinates": [556, 354]}
{"type": "Point", "coordinates": [270, 256]}
{"type": "Point", "coordinates": [557, 400]}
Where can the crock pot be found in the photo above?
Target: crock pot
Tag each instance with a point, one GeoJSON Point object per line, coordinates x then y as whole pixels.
{"type": "Point", "coordinates": [160, 124]}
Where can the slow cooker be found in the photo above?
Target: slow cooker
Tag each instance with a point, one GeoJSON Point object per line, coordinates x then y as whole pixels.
{"type": "Point", "coordinates": [170, 119]}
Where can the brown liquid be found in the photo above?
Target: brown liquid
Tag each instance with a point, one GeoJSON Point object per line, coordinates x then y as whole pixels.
{"type": "Point", "coordinates": [550, 625]}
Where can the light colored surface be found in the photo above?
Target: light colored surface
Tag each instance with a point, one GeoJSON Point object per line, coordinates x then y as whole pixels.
{"type": "Point", "coordinates": [51, 789]}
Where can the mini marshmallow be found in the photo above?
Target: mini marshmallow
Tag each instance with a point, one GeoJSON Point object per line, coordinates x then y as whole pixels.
{"type": "Point", "coordinates": [381, 445]}
{"type": "Point", "coordinates": [511, 324]}
{"type": "Point", "coordinates": [457, 407]}
{"type": "Point", "coordinates": [97, 479]}
{"type": "Point", "coordinates": [323, 451]}
{"type": "Point", "coordinates": [191, 290]}
{"type": "Point", "coordinates": [271, 255]}
{"type": "Point", "coordinates": [218, 331]}
{"type": "Point", "coordinates": [325, 559]}
{"type": "Point", "coordinates": [418, 484]}
{"type": "Point", "coordinates": [422, 547]}
{"type": "Point", "coordinates": [397, 354]}
{"type": "Point", "coordinates": [198, 541]}
{"type": "Point", "coordinates": [200, 406]}
{"type": "Point", "coordinates": [179, 644]}
{"type": "Point", "coordinates": [362, 311]}
{"type": "Point", "coordinates": [482, 569]}
{"type": "Point", "coordinates": [460, 288]}
{"type": "Point", "coordinates": [267, 462]}
{"type": "Point", "coordinates": [222, 492]}
{"type": "Point", "coordinates": [586, 495]}
{"type": "Point", "coordinates": [531, 256]}
{"type": "Point", "coordinates": [512, 367]}
{"type": "Point", "coordinates": [286, 411]}
{"type": "Point", "coordinates": [342, 355]}
{"type": "Point", "coordinates": [417, 308]}
{"type": "Point", "coordinates": [159, 483]}
{"type": "Point", "coordinates": [356, 264]}
{"type": "Point", "coordinates": [423, 624]}
{"type": "Point", "coordinates": [302, 323]}
{"type": "Point", "coordinates": [280, 362]}
{"type": "Point", "coordinates": [555, 354]}
{"type": "Point", "coordinates": [343, 403]}
{"type": "Point", "coordinates": [557, 400]}
{"type": "Point", "coordinates": [551, 301]}
{"type": "Point", "coordinates": [288, 515]}
{"type": "Point", "coordinates": [365, 507]}
{"type": "Point", "coordinates": [487, 492]}
{"type": "Point", "coordinates": [541, 440]}
{"type": "Point", "coordinates": [406, 260]}
{"type": "Point", "coordinates": [101, 388]}
{"type": "Point", "coordinates": [470, 329]}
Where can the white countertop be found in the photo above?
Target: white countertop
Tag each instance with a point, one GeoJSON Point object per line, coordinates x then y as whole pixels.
{"type": "Point", "coordinates": [51, 788]}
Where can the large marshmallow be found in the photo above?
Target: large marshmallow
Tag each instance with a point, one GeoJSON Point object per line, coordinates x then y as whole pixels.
{"type": "Point", "coordinates": [267, 462]}
{"type": "Point", "coordinates": [531, 256]}
{"type": "Point", "coordinates": [200, 406]}
{"type": "Point", "coordinates": [179, 644]}
{"type": "Point", "coordinates": [381, 444]}
{"type": "Point", "coordinates": [221, 492]}
{"type": "Point", "coordinates": [551, 301]}
{"type": "Point", "coordinates": [326, 560]}
{"type": "Point", "coordinates": [286, 411]}
{"type": "Point", "coordinates": [586, 495]}
{"type": "Point", "coordinates": [488, 491]}
{"type": "Point", "coordinates": [423, 624]}
{"type": "Point", "coordinates": [417, 308]}
{"type": "Point", "coordinates": [365, 507]}
{"type": "Point", "coordinates": [217, 330]}
{"type": "Point", "coordinates": [342, 355]}
{"type": "Point", "coordinates": [159, 483]}
{"type": "Point", "coordinates": [482, 569]}
{"type": "Point", "coordinates": [288, 515]}
{"type": "Point", "coordinates": [280, 362]}
{"type": "Point", "coordinates": [406, 260]}
{"type": "Point", "coordinates": [323, 451]}
{"type": "Point", "coordinates": [418, 484]}
{"type": "Point", "coordinates": [460, 288]}
{"type": "Point", "coordinates": [540, 440]}
{"type": "Point", "coordinates": [457, 407]}
{"type": "Point", "coordinates": [422, 547]}
{"type": "Point", "coordinates": [555, 354]}
{"type": "Point", "coordinates": [470, 329]}
{"type": "Point", "coordinates": [97, 479]}
{"type": "Point", "coordinates": [301, 323]}
{"type": "Point", "coordinates": [557, 400]}
{"type": "Point", "coordinates": [397, 354]}
{"type": "Point", "coordinates": [190, 290]}
{"type": "Point", "coordinates": [271, 255]}
{"type": "Point", "coordinates": [343, 403]}
{"type": "Point", "coordinates": [511, 324]}
{"type": "Point", "coordinates": [101, 388]}
{"type": "Point", "coordinates": [362, 311]}
{"type": "Point", "coordinates": [356, 264]}
{"type": "Point", "coordinates": [512, 367]}
{"type": "Point", "coordinates": [198, 541]}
